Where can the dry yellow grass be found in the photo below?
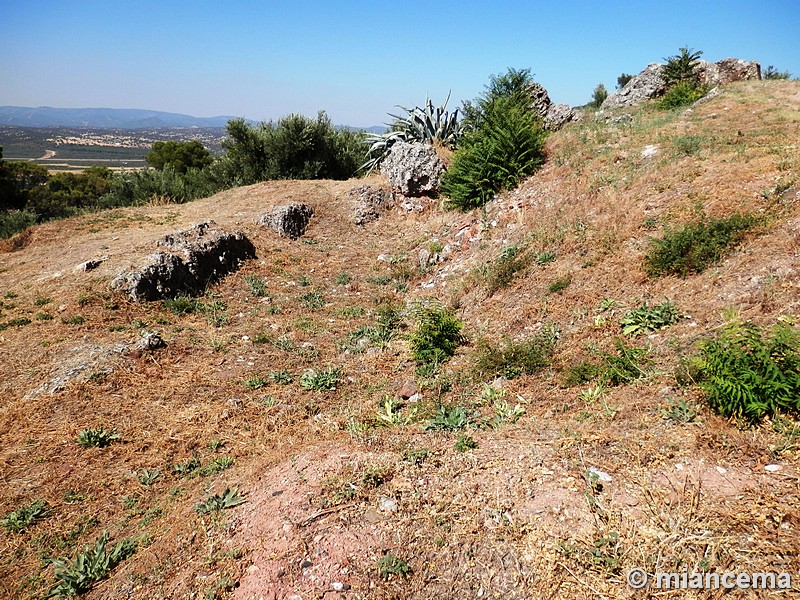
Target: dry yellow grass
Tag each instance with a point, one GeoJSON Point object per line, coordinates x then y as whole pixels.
{"type": "Point", "coordinates": [328, 490]}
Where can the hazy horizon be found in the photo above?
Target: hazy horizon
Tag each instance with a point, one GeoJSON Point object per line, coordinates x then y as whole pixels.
{"type": "Point", "coordinates": [357, 62]}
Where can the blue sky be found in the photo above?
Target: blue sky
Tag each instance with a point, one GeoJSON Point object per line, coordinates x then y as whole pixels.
{"type": "Point", "coordinates": [357, 59]}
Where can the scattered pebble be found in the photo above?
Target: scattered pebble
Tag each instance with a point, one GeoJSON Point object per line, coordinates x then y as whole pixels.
{"type": "Point", "coordinates": [722, 470]}
{"type": "Point", "coordinates": [388, 505]}
{"type": "Point", "coordinates": [773, 468]}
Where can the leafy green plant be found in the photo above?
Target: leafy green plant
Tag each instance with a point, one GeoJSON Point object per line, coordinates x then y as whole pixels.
{"type": "Point", "coordinates": [648, 319]}
{"type": "Point", "coordinates": [559, 285]}
{"type": "Point", "coordinates": [427, 124]}
{"type": "Point", "coordinates": [187, 468]}
{"type": "Point", "coordinates": [23, 517]}
{"type": "Point", "coordinates": [514, 358]}
{"type": "Point", "coordinates": [321, 379]}
{"type": "Point", "coordinates": [450, 418]}
{"type": "Point", "coordinates": [216, 466]}
{"type": "Point", "coordinates": [511, 262]}
{"type": "Point", "coordinates": [255, 382]}
{"type": "Point", "coordinates": [696, 245]}
{"type": "Point", "coordinates": [624, 367]}
{"type": "Point", "coordinates": [436, 336]}
{"type": "Point", "coordinates": [258, 287]}
{"type": "Point", "coordinates": [416, 456]}
{"type": "Point", "coordinates": [182, 305]}
{"type": "Point", "coordinates": [227, 499]}
{"type": "Point", "coordinates": [282, 377]}
{"type": "Point", "coordinates": [343, 278]}
{"type": "Point", "coordinates": [148, 477]}
{"type": "Point", "coordinates": [465, 442]}
{"type": "Point", "coordinates": [390, 412]}
{"type": "Point", "coordinates": [751, 373]}
{"type": "Point", "coordinates": [390, 566]}
{"type": "Point", "coordinates": [313, 300]}
{"type": "Point", "coordinates": [503, 142]}
{"type": "Point", "coordinates": [98, 437]}
{"type": "Point", "coordinates": [579, 372]}
{"type": "Point", "coordinates": [77, 576]}
{"type": "Point", "coordinates": [682, 67]}
{"type": "Point", "coordinates": [679, 411]}
{"type": "Point", "coordinates": [546, 256]}
{"type": "Point", "coordinates": [73, 320]}
{"type": "Point", "coordinates": [599, 95]}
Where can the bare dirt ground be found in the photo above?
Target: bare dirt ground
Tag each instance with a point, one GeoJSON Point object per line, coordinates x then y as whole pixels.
{"type": "Point", "coordinates": [330, 489]}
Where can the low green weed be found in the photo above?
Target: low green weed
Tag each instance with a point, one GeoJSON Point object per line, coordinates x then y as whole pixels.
{"type": "Point", "coordinates": [514, 358]}
{"type": "Point", "coordinates": [98, 437]}
{"type": "Point", "coordinates": [647, 319]}
{"type": "Point", "coordinates": [321, 379]}
{"type": "Point", "coordinates": [23, 517]}
{"type": "Point", "coordinates": [77, 576]}
{"type": "Point", "coordinates": [227, 499]}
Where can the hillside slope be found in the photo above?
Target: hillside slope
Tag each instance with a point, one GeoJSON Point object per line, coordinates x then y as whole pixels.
{"type": "Point", "coordinates": [336, 482]}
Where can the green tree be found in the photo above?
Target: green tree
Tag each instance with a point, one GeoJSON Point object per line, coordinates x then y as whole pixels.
{"type": "Point", "coordinates": [682, 68]}
{"type": "Point", "coordinates": [178, 156]}
{"type": "Point", "coordinates": [296, 147]}
{"type": "Point", "coordinates": [623, 80]}
{"type": "Point", "coordinates": [772, 73]}
{"type": "Point", "coordinates": [599, 95]}
{"type": "Point", "coordinates": [503, 142]}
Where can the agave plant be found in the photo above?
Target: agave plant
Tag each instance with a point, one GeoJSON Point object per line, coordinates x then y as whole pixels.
{"type": "Point", "coordinates": [429, 124]}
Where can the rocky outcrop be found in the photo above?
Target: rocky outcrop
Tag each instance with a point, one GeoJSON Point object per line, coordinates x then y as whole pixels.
{"type": "Point", "coordinates": [288, 221]}
{"type": "Point", "coordinates": [727, 71]}
{"type": "Point", "coordinates": [369, 202]}
{"type": "Point", "coordinates": [191, 259]}
{"type": "Point", "coordinates": [554, 116]}
{"type": "Point", "coordinates": [413, 169]}
{"type": "Point", "coordinates": [650, 83]}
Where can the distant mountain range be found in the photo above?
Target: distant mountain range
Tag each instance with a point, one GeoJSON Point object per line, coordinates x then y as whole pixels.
{"type": "Point", "coordinates": [111, 118]}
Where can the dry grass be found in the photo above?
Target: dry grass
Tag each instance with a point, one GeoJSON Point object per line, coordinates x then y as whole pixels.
{"type": "Point", "coordinates": [516, 517]}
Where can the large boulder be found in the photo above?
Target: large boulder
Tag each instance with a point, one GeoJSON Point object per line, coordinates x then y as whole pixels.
{"type": "Point", "coordinates": [650, 83]}
{"type": "Point", "coordinates": [727, 71]}
{"type": "Point", "coordinates": [554, 116]}
{"type": "Point", "coordinates": [369, 202]}
{"type": "Point", "coordinates": [413, 169]}
{"type": "Point", "coordinates": [288, 221]}
{"type": "Point", "coordinates": [191, 259]}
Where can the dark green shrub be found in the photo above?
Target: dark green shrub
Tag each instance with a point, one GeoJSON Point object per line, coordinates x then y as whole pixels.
{"type": "Point", "coordinates": [178, 156]}
{"type": "Point", "coordinates": [514, 358]}
{"type": "Point", "coordinates": [14, 221]}
{"type": "Point", "coordinates": [624, 367]}
{"type": "Point", "coordinates": [599, 95]}
{"type": "Point", "coordinates": [695, 246]}
{"type": "Point", "coordinates": [772, 73]}
{"type": "Point", "coordinates": [750, 373]}
{"type": "Point", "coordinates": [623, 80]}
{"type": "Point", "coordinates": [559, 285]}
{"type": "Point", "coordinates": [296, 147]}
{"type": "Point", "coordinates": [436, 335]}
{"type": "Point", "coordinates": [503, 142]}
{"type": "Point", "coordinates": [579, 372]}
{"type": "Point", "coordinates": [681, 94]}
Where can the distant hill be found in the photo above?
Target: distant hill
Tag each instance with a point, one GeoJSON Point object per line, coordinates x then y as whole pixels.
{"type": "Point", "coordinates": [112, 118]}
{"type": "Point", "coordinates": [115, 118]}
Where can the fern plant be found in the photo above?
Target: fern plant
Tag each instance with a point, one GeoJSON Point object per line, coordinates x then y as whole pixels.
{"type": "Point", "coordinates": [436, 336]}
{"type": "Point", "coordinates": [749, 373]}
{"type": "Point", "coordinates": [428, 124]}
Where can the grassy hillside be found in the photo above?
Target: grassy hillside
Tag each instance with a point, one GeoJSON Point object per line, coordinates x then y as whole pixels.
{"type": "Point", "coordinates": [546, 483]}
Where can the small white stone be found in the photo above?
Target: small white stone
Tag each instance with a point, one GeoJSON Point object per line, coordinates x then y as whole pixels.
{"type": "Point", "coordinates": [722, 470]}
{"type": "Point", "coordinates": [773, 468]}
{"type": "Point", "coordinates": [337, 586]}
{"type": "Point", "coordinates": [601, 475]}
{"type": "Point", "coordinates": [679, 466]}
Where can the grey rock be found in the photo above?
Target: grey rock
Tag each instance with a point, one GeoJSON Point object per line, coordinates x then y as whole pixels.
{"type": "Point", "coordinates": [90, 265]}
{"type": "Point", "coordinates": [149, 341]}
{"type": "Point", "coordinates": [648, 84]}
{"type": "Point", "coordinates": [727, 71]}
{"type": "Point", "coordinates": [369, 202]}
{"type": "Point", "coordinates": [554, 116]}
{"type": "Point", "coordinates": [413, 169]}
{"type": "Point", "coordinates": [288, 221]}
{"type": "Point", "coordinates": [193, 258]}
